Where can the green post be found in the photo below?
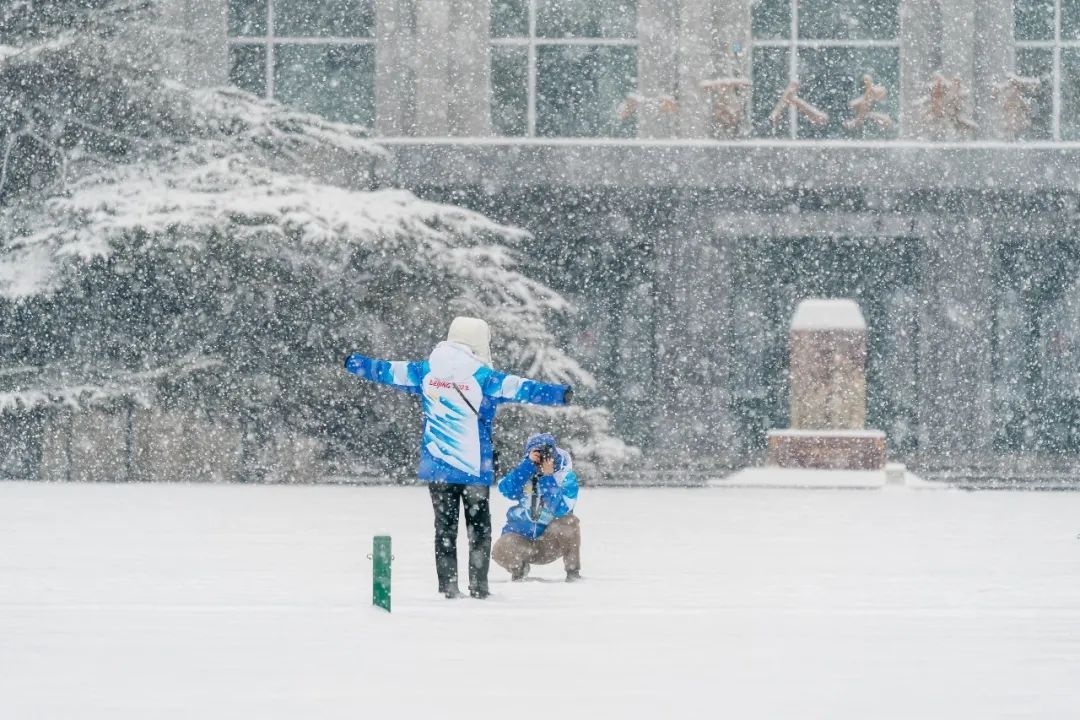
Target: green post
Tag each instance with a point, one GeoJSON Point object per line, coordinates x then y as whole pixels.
{"type": "Point", "coordinates": [380, 572]}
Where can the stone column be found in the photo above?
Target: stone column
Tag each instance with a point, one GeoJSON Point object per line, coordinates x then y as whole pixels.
{"type": "Point", "coordinates": [193, 38]}
{"type": "Point", "coordinates": [920, 57]}
{"type": "Point", "coordinates": [697, 43]}
{"type": "Point", "coordinates": [709, 32]}
{"type": "Point", "coordinates": [658, 60]}
{"type": "Point", "coordinates": [750, 333]}
{"type": "Point", "coordinates": [733, 32]}
{"type": "Point", "coordinates": [995, 58]}
{"type": "Point", "coordinates": [958, 40]}
{"type": "Point", "coordinates": [956, 330]}
{"type": "Point", "coordinates": [733, 25]}
{"type": "Point", "coordinates": [451, 53]}
{"type": "Point", "coordinates": [432, 68]}
{"type": "Point", "coordinates": [693, 331]}
{"type": "Point", "coordinates": [967, 39]}
{"type": "Point", "coordinates": [470, 68]}
{"type": "Point", "coordinates": [395, 76]}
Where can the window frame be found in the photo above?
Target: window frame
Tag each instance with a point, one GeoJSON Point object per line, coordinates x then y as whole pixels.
{"type": "Point", "coordinates": [531, 42]}
{"type": "Point", "coordinates": [1055, 45]}
{"type": "Point", "coordinates": [270, 41]}
{"type": "Point", "coordinates": [793, 43]}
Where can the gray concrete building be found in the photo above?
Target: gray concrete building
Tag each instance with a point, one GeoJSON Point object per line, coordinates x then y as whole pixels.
{"type": "Point", "coordinates": [691, 169]}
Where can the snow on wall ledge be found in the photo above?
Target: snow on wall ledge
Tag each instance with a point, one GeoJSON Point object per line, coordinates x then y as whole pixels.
{"type": "Point", "coordinates": [813, 479]}
{"type": "Point", "coordinates": [828, 314]}
{"type": "Point", "coordinates": [768, 166]}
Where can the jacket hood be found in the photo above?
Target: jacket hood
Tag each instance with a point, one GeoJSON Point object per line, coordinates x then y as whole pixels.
{"type": "Point", "coordinates": [562, 458]}
{"type": "Point", "coordinates": [453, 361]}
{"type": "Point", "coordinates": [535, 442]}
{"type": "Point", "coordinates": [474, 334]}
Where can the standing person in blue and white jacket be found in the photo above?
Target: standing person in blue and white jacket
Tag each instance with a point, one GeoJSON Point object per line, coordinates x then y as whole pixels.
{"type": "Point", "coordinates": [542, 526]}
{"type": "Point", "coordinates": [460, 393]}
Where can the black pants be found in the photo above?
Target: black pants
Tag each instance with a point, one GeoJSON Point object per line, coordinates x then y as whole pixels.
{"type": "Point", "coordinates": [445, 499]}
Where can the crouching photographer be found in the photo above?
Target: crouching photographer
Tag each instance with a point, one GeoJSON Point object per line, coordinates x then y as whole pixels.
{"type": "Point", "coordinates": [541, 527]}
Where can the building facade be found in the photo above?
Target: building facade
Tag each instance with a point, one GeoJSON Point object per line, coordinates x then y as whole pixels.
{"type": "Point", "coordinates": [565, 68]}
{"type": "Point", "coordinates": [691, 169]}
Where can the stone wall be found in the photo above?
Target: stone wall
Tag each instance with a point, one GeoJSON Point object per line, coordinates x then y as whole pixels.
{"type": "Point", "coordinates": [154, 445]}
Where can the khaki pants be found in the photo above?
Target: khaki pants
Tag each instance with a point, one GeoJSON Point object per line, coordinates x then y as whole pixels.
{"type": "Point", "coordinates": [561, 539]}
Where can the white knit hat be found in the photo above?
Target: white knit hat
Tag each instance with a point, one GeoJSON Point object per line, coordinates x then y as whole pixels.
{"type": "Point", "coordinates": [474, 334]}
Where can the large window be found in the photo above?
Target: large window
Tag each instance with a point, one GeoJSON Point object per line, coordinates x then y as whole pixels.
{"type": "Point", "coordinates": [1047, 36]}
{"type": "Point", "coordinates": [560, 68]}
{"type": "Point", "coordinates": [827, 46]}
{"type": "Point", "coordinates": [317, 55]}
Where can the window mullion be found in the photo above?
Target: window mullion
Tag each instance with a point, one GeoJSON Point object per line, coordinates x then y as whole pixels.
{"type": "Point", "coordinates": [322, 41]}
{"type": "Point", "coordinates": [1056, 112]}
{"type": "Point", "coordinates": [270, 49]}
{"type": "Point", "coordinates": [531, 105]}
{"type": "Point", "coordinates": [793, 68]}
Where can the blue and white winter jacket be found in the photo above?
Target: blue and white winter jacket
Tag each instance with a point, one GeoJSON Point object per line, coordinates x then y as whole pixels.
{"type": "Point", "coordinates": [540, 498]}
{"type": "Point", "coordinates": [460, 395]}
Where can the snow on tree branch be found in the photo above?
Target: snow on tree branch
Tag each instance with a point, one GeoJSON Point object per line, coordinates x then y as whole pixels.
{"type": "Point", "coordinates": [166, 223]}
{"type": "Point", "coordinates": [31, 388]}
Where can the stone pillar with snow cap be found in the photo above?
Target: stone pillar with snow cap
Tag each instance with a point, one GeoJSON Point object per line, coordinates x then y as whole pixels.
{"type": "Point", "coordinates": [828, 392]}
{"type": "Point", "coordinates": [828, 366]}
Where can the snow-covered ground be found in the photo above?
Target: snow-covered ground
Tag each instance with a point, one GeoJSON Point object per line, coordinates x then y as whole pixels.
{"type": "Point", "coordinates": [125, 602]}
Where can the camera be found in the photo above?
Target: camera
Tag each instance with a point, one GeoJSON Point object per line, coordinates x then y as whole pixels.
{"type": "Point", "coordinates": [547, 452]}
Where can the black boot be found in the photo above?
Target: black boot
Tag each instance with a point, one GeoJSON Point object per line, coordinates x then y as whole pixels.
{"type": "Point", "coordinates": [451, 592]}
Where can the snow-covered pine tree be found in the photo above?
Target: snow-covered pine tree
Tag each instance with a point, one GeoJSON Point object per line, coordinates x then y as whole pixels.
{"type": "Point", "coordinates": [176, 254]}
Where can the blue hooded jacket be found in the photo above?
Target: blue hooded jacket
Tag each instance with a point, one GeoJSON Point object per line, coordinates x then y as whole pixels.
{"type": "Point", "coordinates": [540, 498]}
{"type": "Point", "coordinates": [460, 395]}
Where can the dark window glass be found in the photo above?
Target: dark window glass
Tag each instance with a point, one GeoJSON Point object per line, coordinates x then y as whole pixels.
{"type": "Point", "coordinates": [1070, 94]}
{"type": "Point", "coordinates": [510, 90]}
{"type": "Point", "coordinates": [772, 19]}
{"type": "Point", "coordinates": [770, 68]}
{"type": "Point", "coordinates": [849, 19]}
{"type": "Point", "coordinates": [335, 81]}
{"type": "Point", "coordinates": [586, 18]}
{"type": "Point", "coordinates": [1070, 19]}
{"type": "Point", "coordinates": [579, 90]}
{"type": "Point", "coordinates": [1034, 19]}
{"type": "Point", "coordinates": [247, 18]}
{"type": "Point", "coordinates": [247, 67]}
{"type": "Point", "coordinates": [509, 18]}
{"type": "Point", "coordinates": [1038, 63]}
{"type": "Point", "coordinates": [325, 18]}
{"type": "Point", "coordinates": [831, 77]}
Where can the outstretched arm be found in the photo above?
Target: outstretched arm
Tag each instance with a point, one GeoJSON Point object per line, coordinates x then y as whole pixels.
{"type": "Point", "coordinates": [400, 374]}
{"type": "Point", "coordinates": [501, 387]}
